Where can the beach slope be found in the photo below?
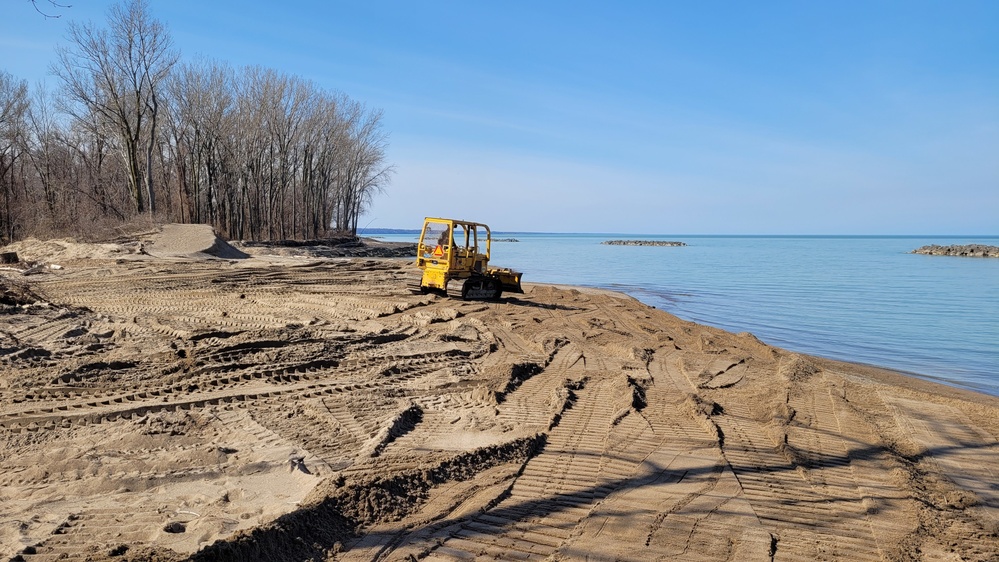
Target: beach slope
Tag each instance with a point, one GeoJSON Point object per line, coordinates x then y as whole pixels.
{"type": "Point", "coordinates": [189, 406]}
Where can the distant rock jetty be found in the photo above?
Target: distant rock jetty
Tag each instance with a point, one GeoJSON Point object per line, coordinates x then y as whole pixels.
{"type": "Point", "coordinates": [969, 250]}
{"type": "Point", "coordinates": [643, 243]}
{"type": "Point", "coordinates": [505, 240]}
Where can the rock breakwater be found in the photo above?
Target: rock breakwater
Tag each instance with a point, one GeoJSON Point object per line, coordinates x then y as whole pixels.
{"type": "Point", "coordinates": [643, 243]}
{"type": "Point", "coordinates": [967, 250]}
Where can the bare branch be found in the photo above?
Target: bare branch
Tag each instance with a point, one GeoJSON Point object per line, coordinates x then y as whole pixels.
{"type": "Point", "coordinates": [54, 4]}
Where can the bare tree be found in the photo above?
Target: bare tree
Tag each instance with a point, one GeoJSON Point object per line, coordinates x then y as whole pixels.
{"type": "Point", "coordinates": [201, 99]}
{"type": "Point", "coordinates": [368, 173]}
{"type": "Point", "coordinates": [44, 158]}
{"type": "Point", "coordinates": [99, 172]}
{"type": "Point", "coordinates": [13, 108]}
{"type": "Point", "coordinates": [117, 75]}
{"type": "Point", "coordinates": [360, 170]}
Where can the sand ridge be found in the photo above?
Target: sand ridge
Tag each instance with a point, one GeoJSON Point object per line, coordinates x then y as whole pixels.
{"type": "Point", "coordinates": [291, 408]}
{"type": "Point", "coordinates": [192, 241]}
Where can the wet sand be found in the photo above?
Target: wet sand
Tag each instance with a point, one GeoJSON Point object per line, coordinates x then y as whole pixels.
{"type": "Point", "coordinates": [165, 398]}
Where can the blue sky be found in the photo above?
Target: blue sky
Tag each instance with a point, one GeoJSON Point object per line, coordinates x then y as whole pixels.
{"type": "Point", "coordinates": [634, 117]}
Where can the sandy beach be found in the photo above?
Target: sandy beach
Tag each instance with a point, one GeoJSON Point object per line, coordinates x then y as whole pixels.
{"type": "Point", "coordinates": [171, 397]}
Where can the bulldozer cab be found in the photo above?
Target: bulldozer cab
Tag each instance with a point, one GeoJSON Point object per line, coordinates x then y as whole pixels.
{"type": "Point", "coordinates": [454, 246]}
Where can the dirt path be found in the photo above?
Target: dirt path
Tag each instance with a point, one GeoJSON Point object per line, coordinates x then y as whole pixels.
{"type": "Point", "coordinates": [287, 408]}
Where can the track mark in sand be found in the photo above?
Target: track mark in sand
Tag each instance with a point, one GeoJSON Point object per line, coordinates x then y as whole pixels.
{"type": "Point", "coordinates": [804, 488]}
{"type": "Point", "coordinates": [554, 492]}
{"type": "Point", "coordinates": [266, 439]}
{"type": "Point", "coordinates": [138, 468]}
{"type": "Point", "coordinates": [163, 304]}
{"type": "Point", "coordinates": [558, 488]}
{"type": "Point", "coordinates": [951, 441]}
{"type": "Point", "coordinates": [796, 472]}
{"type": "Point", "coordinates": [106, 527]}
{"type": "Point", "coordinates": [715, 371]}
{"type": "Point", "coordinates": [600, 463]}
{"type": "Point", "coordinates": [406, 539]}
{"type": "Point", "coordinates": [678, 497]}
{"type": "Point", "coordinates": [230, 376]}
{"type": "Point", "coordinates": [954, 465]}
{"type": "Point", "coordinates": [726, 373]}
{"type": "Point", "coordinates": [343, 506]}
{"type": "Point", "coordinates": [401, 423]}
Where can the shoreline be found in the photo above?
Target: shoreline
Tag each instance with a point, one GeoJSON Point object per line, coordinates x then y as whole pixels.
{"type": "Point", "coordinates": [891, 373]}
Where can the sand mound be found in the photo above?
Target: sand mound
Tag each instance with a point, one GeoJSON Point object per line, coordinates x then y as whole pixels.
{"type": "Point", "coordinates": [191, 240]}
{"type": "Point", "coordinates": [168, 241]}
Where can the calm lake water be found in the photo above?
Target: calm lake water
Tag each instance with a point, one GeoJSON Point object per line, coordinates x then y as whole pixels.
{"type": "Point", "coordinates": [857, 298]}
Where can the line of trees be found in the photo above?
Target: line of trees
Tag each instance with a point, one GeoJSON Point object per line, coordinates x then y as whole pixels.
{"type": "Point", "coordinates": [136, 132]}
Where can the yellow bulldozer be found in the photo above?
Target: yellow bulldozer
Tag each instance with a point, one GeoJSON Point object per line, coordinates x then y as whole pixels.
{"type": "Point", "coordinates": [457, 250]}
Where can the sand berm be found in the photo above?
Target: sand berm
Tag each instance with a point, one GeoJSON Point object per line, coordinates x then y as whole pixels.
{"type": "Point", "coordinates": [170, 396]}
